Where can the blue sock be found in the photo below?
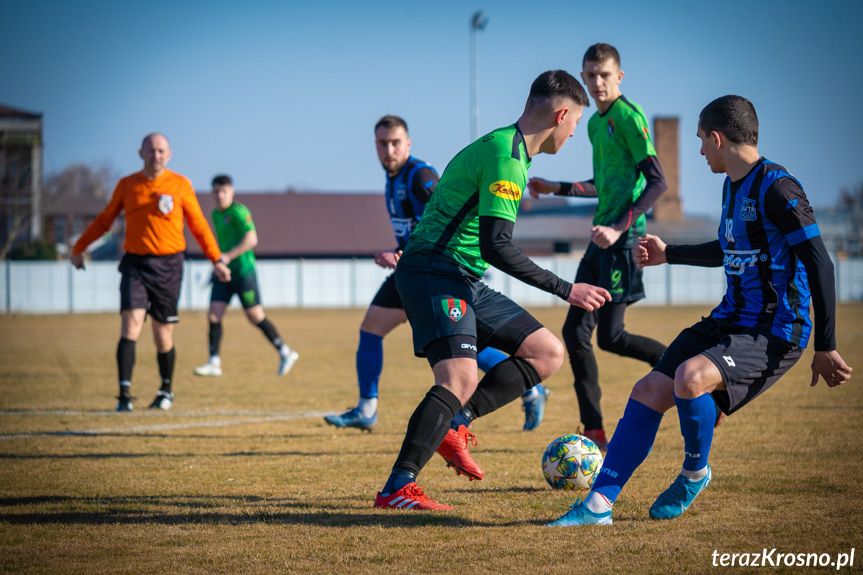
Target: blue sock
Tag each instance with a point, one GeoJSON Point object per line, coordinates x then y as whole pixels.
{"type": "Point", "coordinates": [398, 478]}
{"type": "Point", "coordinates": [628, 448]}
{"type": "Point", "coordinates": [463, 417]}
{"type": "Point", "coordinates": [697, 418]}
{"type": "Point", "coordinates": [370, 363]}
{"type": "Point", "coordinates": [489, 357]}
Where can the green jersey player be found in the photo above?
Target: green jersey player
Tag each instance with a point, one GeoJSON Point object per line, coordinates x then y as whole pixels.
{"type": "Point", "coordinates": [627, 180]}
{"type": "Point", "coordinates": [237, 237]}
{"type": "Point", "coordinates": [467, 226]}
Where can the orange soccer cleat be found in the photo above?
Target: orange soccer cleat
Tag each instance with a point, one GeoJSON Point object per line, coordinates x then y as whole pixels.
{"type": "Point", "coordinates": [454, 448]}
{"type": "Point", "coordinates": [410, 496]}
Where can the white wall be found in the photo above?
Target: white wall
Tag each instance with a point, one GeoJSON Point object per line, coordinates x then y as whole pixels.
{"type": "Point", "coordinates": [56, 287]}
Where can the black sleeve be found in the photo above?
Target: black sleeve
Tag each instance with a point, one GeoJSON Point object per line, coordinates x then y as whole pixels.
{"type": "Point", "coordinates": [653, 188]}
{"type": "Point", "coordinates": [581, 189]}
{"type": "Point", "coordinates": [787, 206]}
{"type": "Point", "coordinates": [496, 247]}
{"type": "Point", "coordinates": [709, 255]}
{"type": "Point", "coordinates": [424, 184]}
{"type": "Point", "coordinates": [822, 283]}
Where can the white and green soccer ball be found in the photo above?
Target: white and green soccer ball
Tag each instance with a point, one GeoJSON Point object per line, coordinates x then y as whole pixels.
{"type": "Point", "coordinates": [571, 462]}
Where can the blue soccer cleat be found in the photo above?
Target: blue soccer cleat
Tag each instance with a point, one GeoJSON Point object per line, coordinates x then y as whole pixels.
{"type": "Point", "coordinates": [353, 418]}
{"type": "Point", "coordinates": [534, 408]}
{"type": "Point", "coordinates": [677, 498]}
{"type": "Point", "coordinates": [581, 515]}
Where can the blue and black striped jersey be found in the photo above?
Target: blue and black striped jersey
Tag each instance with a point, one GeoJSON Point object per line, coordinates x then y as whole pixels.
{"type": "Point", "coordinates": [407, 194]}
{"type": "Point", "coordinates": [763, 216]}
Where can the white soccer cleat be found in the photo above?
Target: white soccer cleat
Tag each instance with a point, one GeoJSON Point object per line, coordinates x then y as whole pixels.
{"type": "Point", "coordinates": [287, 363]}
{"type": "Point", "coordinates": [209, 370]}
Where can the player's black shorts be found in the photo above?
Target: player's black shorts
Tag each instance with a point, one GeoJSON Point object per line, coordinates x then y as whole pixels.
{"type": "Point", "coordinates": [615, 270]}
{"type": "Point", "coordinates": [443, 300]}
{"type": "Point", "coordinates": [245, 286]}
{"type": "Point", "coordinates": [152, 283]}
{"type": "Point", "coordinates": [388, 295]}
{"type": "Point", "coordinates": [749, 359]}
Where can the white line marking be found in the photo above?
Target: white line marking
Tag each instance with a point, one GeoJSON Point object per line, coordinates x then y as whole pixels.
{"type": "Point", "coordinates": [279, 416]}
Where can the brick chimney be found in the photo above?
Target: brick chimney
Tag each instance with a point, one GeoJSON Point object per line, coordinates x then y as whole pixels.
{"type": "Point", "coordinates": [668, 207]}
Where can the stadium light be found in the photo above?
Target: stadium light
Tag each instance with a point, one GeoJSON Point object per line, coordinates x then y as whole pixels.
{"type": "Point", "coordinates": [477, 22]}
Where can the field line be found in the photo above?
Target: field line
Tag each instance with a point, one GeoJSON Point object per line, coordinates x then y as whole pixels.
{"type": "Point", "coordinates": [282, 416]}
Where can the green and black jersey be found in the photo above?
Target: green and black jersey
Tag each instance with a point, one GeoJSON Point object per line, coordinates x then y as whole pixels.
{"type": "Point", "coordinates": [487, 178]}
{"type": "Point", "coordinates": [620, 142]}
{"type": "Point", "coordinates": [470, 217]}
{"type": "Point", "coordinates": [231, 226]}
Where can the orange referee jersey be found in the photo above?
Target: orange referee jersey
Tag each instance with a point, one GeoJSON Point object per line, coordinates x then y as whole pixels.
{"type": "Point", "coordinates": [154, 217]}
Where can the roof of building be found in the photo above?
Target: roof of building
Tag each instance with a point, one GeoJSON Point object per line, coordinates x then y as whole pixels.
{"type": "Point", "coordinates": [312, 225]}
{"type": "Point", "coordinates": [357, 225]}
{"type": "Point", "coordinates": [10, 112]}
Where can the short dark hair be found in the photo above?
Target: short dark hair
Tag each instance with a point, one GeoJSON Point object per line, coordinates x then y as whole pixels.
{"type": "Point", "coordinates": [556, 84]}
{"type": "Point", "coordinates": [733, 116]}
{"type": "Point", "coordinates": [390, 121]}
{"type": "Point", "coordinates": [600, 53]}
{"type": "Point", "coordinates": [222, 180]}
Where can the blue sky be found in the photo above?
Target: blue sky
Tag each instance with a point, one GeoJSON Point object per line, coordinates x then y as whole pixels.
{"type": "Point", "coordinates": [285, 94]}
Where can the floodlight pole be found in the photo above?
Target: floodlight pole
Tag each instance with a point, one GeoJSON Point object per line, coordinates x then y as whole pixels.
{"type": "Point", "coordinates": [477, 22]}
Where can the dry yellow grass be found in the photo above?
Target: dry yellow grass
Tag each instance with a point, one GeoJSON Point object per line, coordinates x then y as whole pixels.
{"type": "Point", "coordinates": [243, 476]}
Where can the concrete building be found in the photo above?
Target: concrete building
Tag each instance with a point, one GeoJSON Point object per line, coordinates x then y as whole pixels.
{"type": "Point", "coordinates": [20, 174]}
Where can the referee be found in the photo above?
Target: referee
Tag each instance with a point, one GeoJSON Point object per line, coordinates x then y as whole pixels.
{"type": "Point", "coordinates": [155, 201]}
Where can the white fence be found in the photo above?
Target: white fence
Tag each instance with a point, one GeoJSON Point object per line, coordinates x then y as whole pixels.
{"type": "Point", "coordinates": [56, 287]}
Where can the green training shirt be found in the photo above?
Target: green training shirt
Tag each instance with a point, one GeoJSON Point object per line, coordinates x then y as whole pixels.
{"type": "Point", "coordinates": [487, 178]}
{"type": "Point", "coordinates": [620, 142]}
{"type": "Point", "coordinates": [231, 225]}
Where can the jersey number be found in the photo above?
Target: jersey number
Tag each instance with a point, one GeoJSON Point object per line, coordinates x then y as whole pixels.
{"type": "Point", "coordinates": [729, 227]}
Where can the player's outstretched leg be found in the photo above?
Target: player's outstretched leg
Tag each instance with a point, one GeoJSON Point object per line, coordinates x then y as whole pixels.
{"type": "Point", "coordinates": [697, 420]}
{"type": "Point", "coordinates": [369, 364]}
{"type": "Point", "coordinates": [627, 449]}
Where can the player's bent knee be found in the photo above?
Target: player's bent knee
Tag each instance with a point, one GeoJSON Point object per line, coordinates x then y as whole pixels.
{"type": "Point", "coordinates": [695, 378]}
{"type": "Point", "coordinates": [655, 390]}
{"type": "Point", "coordinates": [610, 343]}
{"type": "Point", "coordinates": [545, 354]}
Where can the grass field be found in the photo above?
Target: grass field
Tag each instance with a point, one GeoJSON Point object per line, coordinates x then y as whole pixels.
{"type": "Point", "coordinates": [243, 476]}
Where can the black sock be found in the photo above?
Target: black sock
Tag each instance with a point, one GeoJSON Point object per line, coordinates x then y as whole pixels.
{"type": "Point", "coordinates": [166, 368]}
{"type": "Point", "coordinates": [427, 427]}
{"type": "Point", "coordinates": [215, 337]}
{"type": "Point", "coordinates": [587, 389]}
{"type": "Point", "coordinates": [125, 359]}
{"type": "Point", "coordinates": [503, 383]}
{"type": "Point", "coordinates": [271, 333]}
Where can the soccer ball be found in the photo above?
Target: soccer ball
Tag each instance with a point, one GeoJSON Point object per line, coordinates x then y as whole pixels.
{"type": "Point", "coordinates": [571, 462]}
